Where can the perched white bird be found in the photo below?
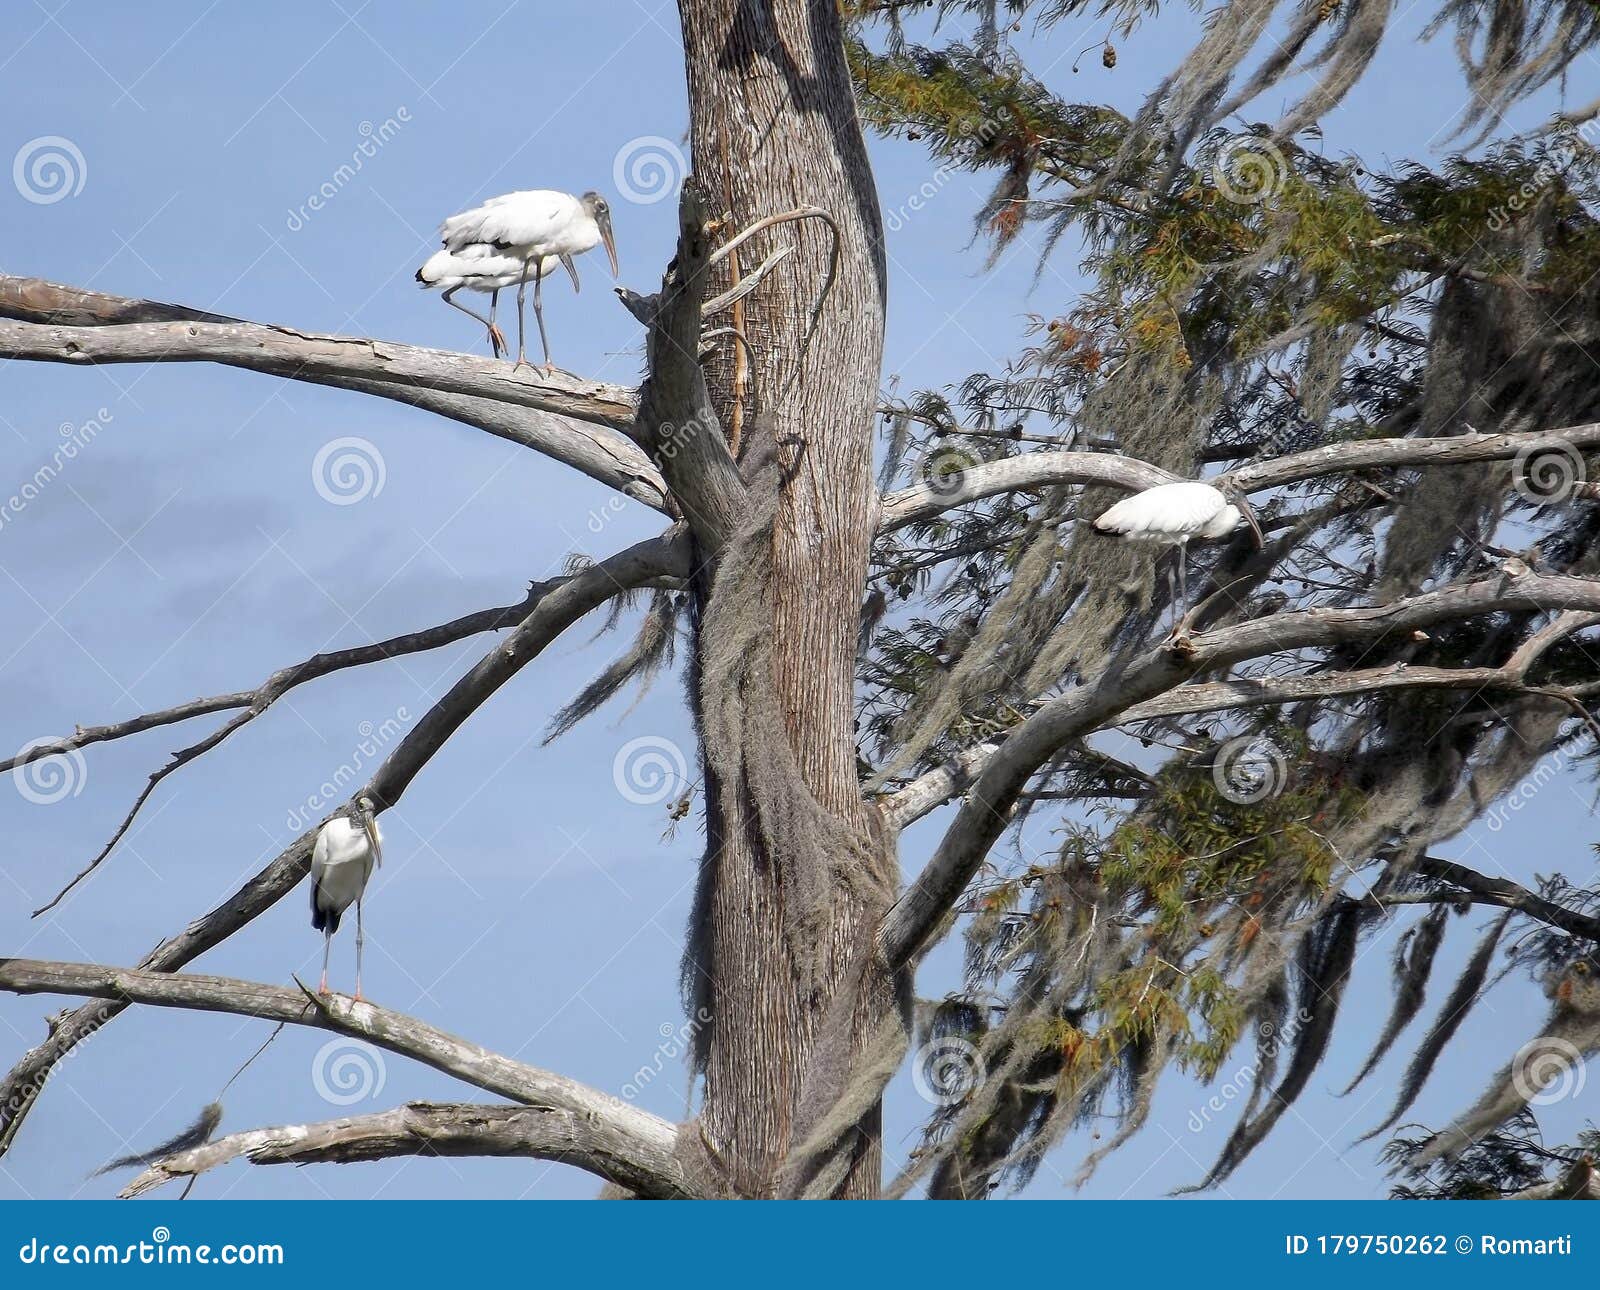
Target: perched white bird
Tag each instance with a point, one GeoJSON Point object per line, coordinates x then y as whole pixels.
{"type": "Point", "coordinates": [529, 226]}
{"type": "Point", "coordinates": [1172, 515]}
{"type": "Point", "coordinates": [478, 268]}
{"type": "Point", "coordinates": [347, 850]}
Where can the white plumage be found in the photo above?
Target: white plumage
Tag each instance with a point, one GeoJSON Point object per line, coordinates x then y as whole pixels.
{"type": "Point", "coordinates": [346, 852]}
{"type": "Point", "coordinates": [1172, 515]}
{"type": "Point", "coordinates": [479, 267]}
{"type": "Point", "coordinates": [527, 227]}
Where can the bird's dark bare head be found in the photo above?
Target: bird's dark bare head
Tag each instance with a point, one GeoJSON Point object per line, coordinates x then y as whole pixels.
{"type": "Point", "coordinates": [600, 212]}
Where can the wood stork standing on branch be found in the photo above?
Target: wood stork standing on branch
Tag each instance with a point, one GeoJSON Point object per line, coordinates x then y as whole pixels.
{"type": "Point", "coordinates": [528, 226]}
{"type": "Point", "coordinates": [478, 268]}
{"type": "Point", "coordinates": [348, 849]}
{"type": "Point", "coordinates": [1174, 515]}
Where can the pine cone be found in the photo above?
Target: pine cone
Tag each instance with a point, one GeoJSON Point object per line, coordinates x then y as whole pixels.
{"type": "Point", "coordinates": [1108, 55]}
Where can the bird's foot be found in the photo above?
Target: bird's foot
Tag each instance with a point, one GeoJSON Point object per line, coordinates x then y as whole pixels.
{"type": "Point", "coordinates": [497, 342]}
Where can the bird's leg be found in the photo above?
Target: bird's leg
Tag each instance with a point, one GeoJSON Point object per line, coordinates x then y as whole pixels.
{"type": "Point", "coordinates": [497, 337]}
{"type": "Point", "coordinates": [1180, 607]}
{"type": "Point", "coordinates": [538, 315]}
{"type": "Point", "coordinates": [361, 941]}
{"type": "Point", "coordinates": [494, 343]}
{"type": "Point", "coordinates": [327, 946]}
{"type": "Point", "coordinates": [522, 316]}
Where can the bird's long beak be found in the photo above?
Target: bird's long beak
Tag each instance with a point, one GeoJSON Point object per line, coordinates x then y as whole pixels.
{"type": "Point", "coordinates": [1248, 511]}
{"type": "Point", "coordinates": [611, 243]}
{"type": "Point", "coordinates": [370, 824]}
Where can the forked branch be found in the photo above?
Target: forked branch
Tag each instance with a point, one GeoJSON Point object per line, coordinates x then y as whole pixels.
{"type": "Point", "coordinates": [626, 1131]}
{"type": "Point", "coordinates": [643, 1165]}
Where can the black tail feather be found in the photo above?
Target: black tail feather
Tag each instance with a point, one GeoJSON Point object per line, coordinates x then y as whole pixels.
{"type": "Point", "coordinates": [322, 919]}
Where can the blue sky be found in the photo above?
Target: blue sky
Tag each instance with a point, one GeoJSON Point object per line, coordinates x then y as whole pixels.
{"type": "Point", "coordinates": [187, 550]}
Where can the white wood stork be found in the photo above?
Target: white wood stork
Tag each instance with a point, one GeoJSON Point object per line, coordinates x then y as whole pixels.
{"type": "Point", "coordinates": [529, 226]}
{"type": "Point", "coordinates": [478, 268]}
{"type": "Point", "coordinates": [347, 850]}
{"type": "Point", "coordinates": [1173, 515]}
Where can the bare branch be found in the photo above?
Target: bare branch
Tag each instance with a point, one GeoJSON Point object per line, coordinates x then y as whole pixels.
{"type": "Point", "coordinates": [645, 1166]}
{"type": "Point", "coordinates": [255, 702]}
{"type": "Point", "coordinates": [677, 424]}
{"type": "Point", "coordinates": [666, 556]}
{"type": "Point", "coordinates": [927, 792]}
{"type": "Point", "coordinates": [1041, 469]}
{"type": "Point", "coordinates": [982, 817]}
{"type": "Point", "coordinates": [1451, 450]}
{"type": "Point", "coordinates": [1510, 895]}
{"type": "Point", "coordinates": [285, 679]}
{"type": "Point", "coordinates": [1010, 474]}
{"type": "Point", "coordinates": [394, 1032]}
{"type": "Point", "coordinates": [602, 453]}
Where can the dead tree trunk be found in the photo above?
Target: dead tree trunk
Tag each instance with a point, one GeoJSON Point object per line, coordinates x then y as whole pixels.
{"type": "Point", "coordinates": [774, 128]}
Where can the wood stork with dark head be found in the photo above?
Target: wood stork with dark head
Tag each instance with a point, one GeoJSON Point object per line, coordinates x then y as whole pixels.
{"type": "Point", "coordinates": [1173, 515]}
{"type": "Point", "coordinates": [478, 268]}
{"type": "Point", "coordinates": [529, 226]}
{"type": "Point", "coordinates": [348, 848]}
